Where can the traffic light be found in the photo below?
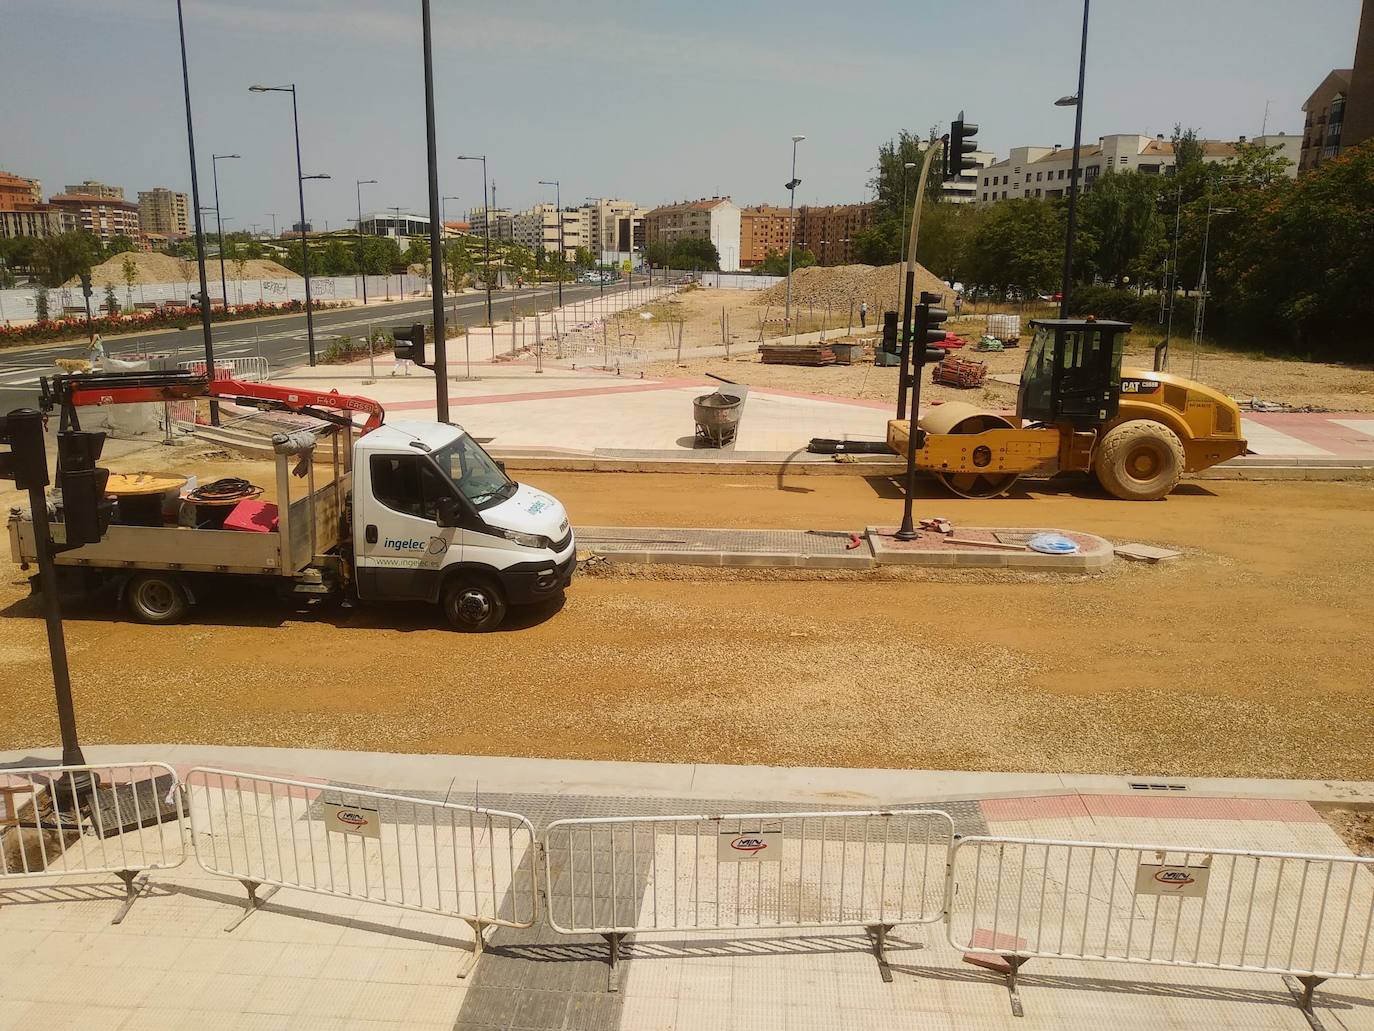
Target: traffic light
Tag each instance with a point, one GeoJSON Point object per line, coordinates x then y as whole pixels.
{"type": "Point", "coordinates": [85, 512]}
{"type": "Point", "coordinates": [961, 142]}
{"type": "Point", "coordinates": [26, 462]}
{"type": "Point", "coordinates": [410, 344]}
{"type": "Point", "coordinates": [890, 332]}
{"type": "Point", "coordinates": [86, 284]}
{"type": "Point", "coordinates": [928, 321]}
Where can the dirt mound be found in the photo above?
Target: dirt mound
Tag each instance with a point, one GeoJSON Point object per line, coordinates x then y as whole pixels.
{"type": "Point", "coordinates": [838, 285]}
{"type": "Point", "coordinates": [163, 268]}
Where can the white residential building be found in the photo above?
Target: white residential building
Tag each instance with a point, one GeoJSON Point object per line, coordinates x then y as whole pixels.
{"type": "Point", "coordinates": [964, 190]}
{"type": "Point", "coordinates": [502, 223]}
{"type": "Point", "coordinates": [539, 228]}
{"type": "Point", "coordinates": [616, 228]}
{"type": "Point", "coordinates": [1045, 171]}
{"type": "Point", "coordinates": [711, 218]}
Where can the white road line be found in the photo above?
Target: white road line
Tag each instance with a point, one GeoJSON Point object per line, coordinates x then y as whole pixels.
{"type": "Point", "coordinates": [1363, 426]}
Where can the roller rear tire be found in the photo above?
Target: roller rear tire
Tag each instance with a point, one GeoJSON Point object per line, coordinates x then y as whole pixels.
{"type": "Point", "coordinates": [1140, 460]}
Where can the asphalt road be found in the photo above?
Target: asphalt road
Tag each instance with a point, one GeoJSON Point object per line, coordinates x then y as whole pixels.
{"type": "Point", "coordinates": [282, 341]}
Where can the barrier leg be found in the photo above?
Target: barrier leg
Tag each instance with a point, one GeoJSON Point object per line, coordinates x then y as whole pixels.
{"type": "Point", "coordinates": [1303, 995]}
{"type": "Point", "coordinates": [130, 893]}
{"type": "Point", "coordinates": [877, 934]}
{"type": "Point", "coordinates": [255, 902]}
{"type": "Point", "coordinates": [613, 973]}
{"type": "Point", "coordinates": [1014, 962]}
{"type": "Point", "coordinates": [479, 946]}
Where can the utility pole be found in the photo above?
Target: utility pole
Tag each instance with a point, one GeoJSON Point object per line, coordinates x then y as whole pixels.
{"type": "Point", "coordinates": [1077, 103]}
{"type": "Point", "coordinates": [792, 185]}
{"type": "Point", "coordinates": [358, 186]}
{"type": "Point", "coordinates": [486, 260]}
{"type": "Point", "coordinates": [436, 246]}
{"type": "Point", "coordinates": [215, 159]}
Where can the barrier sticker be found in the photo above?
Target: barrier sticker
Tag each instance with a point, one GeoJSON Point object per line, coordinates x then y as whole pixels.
{"type": "Point", "coordinates": [353, 819]}
{"type": "Point", "coordinates": [749, 846]}
{"type": "Point", "coordinates": [1160, 879]}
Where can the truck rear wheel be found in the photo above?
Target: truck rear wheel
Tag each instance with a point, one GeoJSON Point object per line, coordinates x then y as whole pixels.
{"type": "Point", "coordinates": [157, 598]}
{"type": "Point", "coordinates": [473, 604]}
{"type": "Point", "coordinates": [1140, 460]}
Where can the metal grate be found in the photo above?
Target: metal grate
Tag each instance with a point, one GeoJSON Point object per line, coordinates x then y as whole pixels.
{"type": "Point", "coordinates": [1147, 786]}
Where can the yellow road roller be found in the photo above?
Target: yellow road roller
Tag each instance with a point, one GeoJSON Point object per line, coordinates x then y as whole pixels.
{"type": "Point", "coordinates": [1077, 410]}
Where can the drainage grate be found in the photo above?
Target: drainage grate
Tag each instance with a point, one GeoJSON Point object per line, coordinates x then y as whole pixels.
{"type": "Point", "coordinates": [1142, 786]}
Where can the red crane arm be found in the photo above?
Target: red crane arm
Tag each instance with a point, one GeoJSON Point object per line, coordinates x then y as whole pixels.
{"type": "Point", "coordinates": [291, 399]}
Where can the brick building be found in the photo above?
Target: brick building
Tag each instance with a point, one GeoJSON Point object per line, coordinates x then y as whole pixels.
{"type": "Point", "coordinates": [828, 232]}
{"type": "Point", "coordinates": [710, 218]}
{"type": "Point", "coordinates": [101, 214]}
{"type": "Point", "coordinates": [22, 211]}
{"type": "Point", "coordinates": [1323, 131]}
{"type": "Point", "coordinates": [164, 212]}
{"type": "Point", "coordinates": [763, 230]}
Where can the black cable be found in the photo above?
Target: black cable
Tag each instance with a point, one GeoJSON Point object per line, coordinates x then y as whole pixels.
{"type": "Point", "coordinates": [228, 488]}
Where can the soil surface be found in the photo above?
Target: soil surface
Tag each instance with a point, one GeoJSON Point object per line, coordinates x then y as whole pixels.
{"type": "Point", "coordinates": [1246, 657]}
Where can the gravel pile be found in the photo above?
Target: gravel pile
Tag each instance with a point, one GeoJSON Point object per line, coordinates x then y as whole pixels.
{"type": "Point", "coordinates": [838, 285]}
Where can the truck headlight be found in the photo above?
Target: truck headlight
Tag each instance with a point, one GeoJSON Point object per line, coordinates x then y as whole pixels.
{"type": "Point", "coordinates": [526, 540]}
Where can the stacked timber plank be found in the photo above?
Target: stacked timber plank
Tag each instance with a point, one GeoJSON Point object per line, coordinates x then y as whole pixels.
{"type": "Point", "coordinates": [953, 371]}
{"type": "Point", "coordinates": [796, 354]}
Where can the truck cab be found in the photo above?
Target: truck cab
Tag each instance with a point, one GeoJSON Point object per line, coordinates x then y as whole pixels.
{"type": "Point", "coordinates": [436, 519]}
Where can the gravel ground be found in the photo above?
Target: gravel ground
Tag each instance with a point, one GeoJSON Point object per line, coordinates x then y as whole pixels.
{"type": "Point", "coordinates": [1246, 657]}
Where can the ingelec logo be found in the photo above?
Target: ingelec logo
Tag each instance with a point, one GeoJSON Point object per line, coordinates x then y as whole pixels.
{"type": "Point", "coordinates": [1174, 878]}
{"type": "Point", "coordinates": [748, 843]}
{"type": "Point", "coordinates": [352, 819]}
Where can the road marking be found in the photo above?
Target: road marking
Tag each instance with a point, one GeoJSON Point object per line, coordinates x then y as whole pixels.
{"type": "Point", "coordinates": [1265, 440]}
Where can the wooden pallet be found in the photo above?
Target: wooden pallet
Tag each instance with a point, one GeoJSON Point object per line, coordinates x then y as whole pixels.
{"type": "Point", "coordinates": [810, 356]}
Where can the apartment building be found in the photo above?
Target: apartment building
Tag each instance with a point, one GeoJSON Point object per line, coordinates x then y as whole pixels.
{"type": "Point", "coordinates": [828, 231]}
{"type": "Point", "coordinates": [616, 227]}
{"type": "Point", "coordinates": [708, 218]}
{"type": "Point", "coordinates": [95, 188]}
{"type": "Point", "coordinates": [1359, 115]}
{"type": "Point", "coordinates": [101, 214]}
{"type": "Point", "coordinates": [164, 212]}
{"type": "Point", "coordinates": [543, 227]}
{"type": "Point", "coordinates": [22, 211]}
{"type": "Point", "coordinates": [964, 189]}
{"type": "Point", "coordinates": [763, 230]}
{"type": "Point", "coordinates": [502, 223]}
{"type": "Point", "coordinates": [1046, 171]}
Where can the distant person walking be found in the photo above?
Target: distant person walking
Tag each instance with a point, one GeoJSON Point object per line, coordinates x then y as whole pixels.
{"type": "Point", "coordinates": [863, 314]}
{"type": "Point", "coordinates": [958, 304]}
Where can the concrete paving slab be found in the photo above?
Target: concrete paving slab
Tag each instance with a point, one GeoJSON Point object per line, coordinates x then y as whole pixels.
{"type": "Point", "coordinates": [837, 549]}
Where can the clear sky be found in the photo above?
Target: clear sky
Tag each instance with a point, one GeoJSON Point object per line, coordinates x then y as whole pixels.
{"type": "Point", "coordinates": [651, 100]}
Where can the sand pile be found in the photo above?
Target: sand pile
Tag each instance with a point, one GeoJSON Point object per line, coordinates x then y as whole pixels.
{"type": "Point", "coordinates": [163, 268]}
{"type": "Point", "coordinates": [838, 285]}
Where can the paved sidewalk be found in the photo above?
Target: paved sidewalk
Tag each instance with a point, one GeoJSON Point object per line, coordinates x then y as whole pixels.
{"type": "Point", "coordinates": [310, 961]}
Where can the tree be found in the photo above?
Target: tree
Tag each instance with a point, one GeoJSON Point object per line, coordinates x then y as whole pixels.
{"type": "Point", "coordinates": [111, 304]}
{"type": "Point", "coordinates": [1301, 262]}
{"type": "Point", "coordinates": [40, 304]}
{"type": "Point", "coordinates": [1187, 148]}
{"type": "Point", "coordinates": [1020, 243]}
{"type": "Point", "coordinates": [1122, 233]}
{"type": "Point", "coordinates": [57, 259]}
{"type": "Point", "coordinates": [380, 254]}
{"type": "Point", "coordinates": [892, 180]}
{"type": "Point", "coordinates": [416, 252]}
{"type": "Point", "coordinates": [128, 271]}
{"type": "Point", "coordinates": [584, 258]}
{"type": "Point", "coordinates": [118, 245]}
{"type": "Point", "coordinates": [775, 262]}
{"type": "Point", "coordinates": [947, 232]}
{"type": "Point", "coordinates": [879, 243]}
{"type": "Point", "coordinates": [684, 253]}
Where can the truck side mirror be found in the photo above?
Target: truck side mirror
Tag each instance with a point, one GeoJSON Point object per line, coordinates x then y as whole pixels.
{"type": "Point", "coordinates": [448, 512]}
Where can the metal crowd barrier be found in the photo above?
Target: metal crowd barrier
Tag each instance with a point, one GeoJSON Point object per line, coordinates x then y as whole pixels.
{"type": "Point", "coordinates": [248, 370]}
{"type": "Point", "coordinates": [621, 875]}
{"type": "Point", "coordinates": [123, 819]}
{"type": "Point", "coordinates": [1309, 917]}
{"type": "Point", "coordinates": [477, 865]}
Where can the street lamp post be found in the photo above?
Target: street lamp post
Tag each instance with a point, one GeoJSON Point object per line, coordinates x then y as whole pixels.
{"type": "Point", "coordinates": [215, 159]}
{"type": "Point", "coordinates": [1076, 102]}
{"type": "Point", "coordinates": [396, 233]}
{"type": "Point", "coordinates": [443, 217]}
{"type": "Point", "coordinates": [195, 205]}
{"type": "Point", "coordinates": [301, 177]}
{"type": "Point", "coordinates": [1202, 281]}
{"type": "Point", "coordinates": [358, 187]}
{"type": "Point", "coordinates": [558, 210]}
{"type": "Point", "coordinates": [907, 166]}
{"type": "Point", "coordinates": [486, 208]}
{"type": "Point", "coordinates": [792, 185]}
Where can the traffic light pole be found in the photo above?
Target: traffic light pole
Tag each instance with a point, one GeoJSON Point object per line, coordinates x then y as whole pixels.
{"type": "Point", "coordinates": [910, 362]}
{"type": "Point", "coordinates": [436, 240]}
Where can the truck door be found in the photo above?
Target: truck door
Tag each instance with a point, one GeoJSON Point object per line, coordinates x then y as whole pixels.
{"type": "Point", "coordinates": [399, 549]}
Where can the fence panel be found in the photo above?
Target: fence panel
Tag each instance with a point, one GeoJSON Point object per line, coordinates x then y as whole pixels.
{"type": "Point", "coordinates": [1304, 915]}
{"type": "Point", "coordinates": [122, 819]}
{"type": "Point", "coordinates": [477, 865]}
{"type": "Point", "coordinates": [761, 870]}
{"type": "Point", "coordinates": [251, 369]}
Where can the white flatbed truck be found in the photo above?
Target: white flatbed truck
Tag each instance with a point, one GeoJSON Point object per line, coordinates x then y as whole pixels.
{"type": "Point", "coordinates": [414, 511]}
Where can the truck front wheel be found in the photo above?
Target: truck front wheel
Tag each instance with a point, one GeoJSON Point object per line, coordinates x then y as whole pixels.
{"type": "Point", "coordinates": [157, 598]}
{"type": "Point", "coordinates": [473, 604]}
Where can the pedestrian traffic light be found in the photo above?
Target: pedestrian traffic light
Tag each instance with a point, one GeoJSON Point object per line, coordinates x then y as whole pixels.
{"type": "Point", "coordinates": [86, 283]}
{"type": "Point", "coordinates": [890, 332]}
{"type": "Point", "coordinates": [410, 344]}
{"type": "Point", "coordinates": [85, 511]}
{"type": "Point", "coordinates": [961, 142]}
{"type": "Point", "coordinates": [928, 322]}
{"type": "Point", "coordinates": [26, 461]}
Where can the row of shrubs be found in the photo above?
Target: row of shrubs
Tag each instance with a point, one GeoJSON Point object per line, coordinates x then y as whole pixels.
{"type": "Point", "coordinates": [168, 317]}
{"type": "Point", "coordinates": [1142, 311]}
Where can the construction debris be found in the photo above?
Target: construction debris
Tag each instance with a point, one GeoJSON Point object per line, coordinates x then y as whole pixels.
{"type": "Point", "coordinates": [953, 371]}
{"type": "Point", "coordinates": [843, 286]}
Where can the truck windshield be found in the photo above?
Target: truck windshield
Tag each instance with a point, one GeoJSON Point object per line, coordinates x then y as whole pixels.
{"type": "Point", "coordinates": [474, 473]}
